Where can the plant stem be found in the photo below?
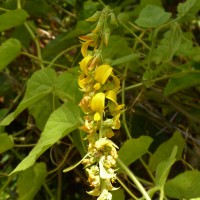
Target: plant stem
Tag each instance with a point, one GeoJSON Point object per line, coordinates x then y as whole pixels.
{"type": "Point", "coordinates": [59, 195]}
{"type": "Point", "coordinates": [138, 38]}
{"type": "Point", "coordinates": [62, 162]}
{"type": "Point", "coordinates": [36, 43]}
{"type": "Point", "coordinates": [49, 191]}
{"type": "Point", "coordinates": [43, 61]}
{"type": "Point", "coordinates": [134, 179]}
{"type": "Point", "coordinates": [19, 4]}
{"type": "Point", "coordinates": [158, 79]}
{"type": "Point", "coordinates": [3, 9]}
{"type": "Point", "coordinates": [24, 145]}
{"type": "Point", "coordinates": [161, 193]}
{"type": "Point", "coordinates": [6, 184]}
{"type": "Point", "coordinates": [123, 102]}
{"type": "Point", "coordinates": [127, 190]}
{"type": "Point", "coordinates": [61, 53]}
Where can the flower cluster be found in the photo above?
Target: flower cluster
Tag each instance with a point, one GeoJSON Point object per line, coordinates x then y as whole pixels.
{"type": "Point", "coordinates": [100, 86]}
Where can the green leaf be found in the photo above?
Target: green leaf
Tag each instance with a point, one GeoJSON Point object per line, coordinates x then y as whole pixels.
{"type": "Point", "coordinates": [188, 9]}
{"type": "Point", "coordinates": [38, 8]}
{"type": "Point", "coordinates": [47, 104]}
{"type": "Point", "coordinates": [115, 43]}
{"type": "Point", "coordinates": [133, 149]}
{"type": "Point", "coordinates": [163, 168]}
{"type": "Point", "coordinates": [125, 59]}
{"type": "Point", "coordinates": [30, 181]}
{"type": "Point", "coordinates": [61, 122]}
{"type": "Point", "coordinates": [168, 45]}
{"type": "Point", "coordinates": [176, 84]}
{"type": "Point", "coordinates": [66, 87]}
{"type": "Point", "coordinates": [21, 33]}
{"type": "Point", "coordinates": [39, 85]}
{"type": "Point", "coordinates": [184, 186]}
{"type": "Point", "coordinates": [118, 194]}
{"type": "Point", "coordinates": [163, 152]}
{"type": "Point", "coordinates": [72, 2]}
{"type": "Point", "coordinates": [152, 16]}
{"type": "Point", "coordinates": [9, 50]}
{"type": "Point", "coordinates": [12, 18]}
{"type": "Point", "coordinates": [6, 142]}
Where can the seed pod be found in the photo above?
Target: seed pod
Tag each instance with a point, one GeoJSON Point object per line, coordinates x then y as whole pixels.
{"type": "Point", "coordinates": [94, 17]}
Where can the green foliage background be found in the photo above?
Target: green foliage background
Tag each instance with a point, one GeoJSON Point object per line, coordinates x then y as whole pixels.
{"type": "Point", "coordinates": [155, 52]}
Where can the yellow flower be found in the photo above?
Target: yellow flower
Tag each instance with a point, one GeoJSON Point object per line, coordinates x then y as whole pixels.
{"type": "Point", "coordinates": [84, 48]}
{"type": "Point", "coordinates": [104, 142]}
{"type": "Point", "coordinates": [84, 104]}
{"type": "Point", "coordinates": [97, 105]}
{"type": "Point", "coordinates": [84, 64]}
{"type": "Point", "coordinates": [102, 73]}
{"type": "Point", "coordinates": [103, 172]}
{"type": "Point", "coordinates": [111, 95]}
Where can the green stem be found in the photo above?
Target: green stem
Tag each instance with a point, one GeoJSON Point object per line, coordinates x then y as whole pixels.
{"type": "Point", "coordinates": [17, 154]}
{"type": "Point", "coordinates": [138, 38]}
{"type": "Point", "coordinates": [5, 185]}
{"type": "Point", "coordinates": [19, 4]}
{"type": "Point", "coordinates": [3, 9]}
{"type": "Point", "coordinates": [157, 79]}
{"type": "Point", "coordinates": [123, 102]}
{"type": "Point", "coordinates": [161, 193]}
{"type": "Point", "coordinates": [61, 53]}
{"type": "Point", "coordinates": [59, 195]}
{"type": "Point", "coordinates": [134, 179]}
{"type": "Point", "coordinates": [24, 145]}
{"type": "Point", "coordinates": [43, 61]}
{"type": "Point", "coordinates": [127, 190]}
{"type": "Point", "coordinates": [48, 191]}
{"type": "Point", "coordinates": [152, 191]}
{"type": "Point", "coordinates": [62, 162]}
{"type": "Point", "coordinates": [102, 3]}
{"type": "Point", "coordinates": [36, 43]}
{"type": "Point", "coordinates": [147, 169]}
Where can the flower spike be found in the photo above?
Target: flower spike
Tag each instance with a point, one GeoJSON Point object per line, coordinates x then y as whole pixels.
{"type": "Point", "coordinates": [100, 86]}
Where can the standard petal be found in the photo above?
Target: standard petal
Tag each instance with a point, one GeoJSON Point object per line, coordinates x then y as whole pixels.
{"type": "Point", "coordinates": [98, 102]}
{"type": "Point", "coordinates": [102, 73]}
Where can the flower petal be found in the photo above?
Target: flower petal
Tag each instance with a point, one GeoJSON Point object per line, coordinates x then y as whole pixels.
{"type": "Point", "coordinates": [97, 116]}
{"type": "Point", "coordinates": [98, 102]}
{"type": "Point", "coordinates": [97, 86]}
{"type": "Point", "coordinates": [84, 64]}
{"type": "Point", "coordinates": [102, 73]}
{"type": "Point", "coordinates": [84, 48]}
{"type": "Point", "coordinates": [105, 195]}
{"type": "Point", "coordinates": [103, 173]}
{"type": "Point", "coordinates": [111, 95]}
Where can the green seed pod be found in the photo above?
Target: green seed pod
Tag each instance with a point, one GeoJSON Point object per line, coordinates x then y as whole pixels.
{"type": "Point", "coordinates": [94, 17]}
{"type": "Point", "coordinates": [113, 19]}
